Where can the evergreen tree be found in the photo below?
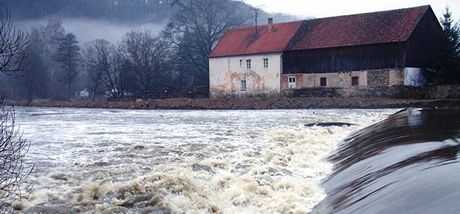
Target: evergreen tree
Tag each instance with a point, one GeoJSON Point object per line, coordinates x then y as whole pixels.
{"type": "Point", "coordinates": [68, 55]}
{"type": "Point", "coordinates": [446, 59]}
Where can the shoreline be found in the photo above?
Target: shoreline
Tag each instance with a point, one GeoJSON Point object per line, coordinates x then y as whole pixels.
{"type": "Point", "coordinates": [247, 103]}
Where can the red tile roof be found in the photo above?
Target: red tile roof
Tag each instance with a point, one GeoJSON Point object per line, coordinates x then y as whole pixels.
{"type": "Point", "coordinates": [242, 41]}
{"type": "Point", "coordinates": [360, 29]}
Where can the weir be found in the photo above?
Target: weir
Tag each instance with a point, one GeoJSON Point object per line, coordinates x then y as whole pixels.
{"type": "Point", "coordinates": [407, 163]}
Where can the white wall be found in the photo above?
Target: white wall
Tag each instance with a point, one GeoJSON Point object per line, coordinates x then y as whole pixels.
{"type": "Point", "coordinates": [414, 77]}
{"type": "Point", "coordinates": [225, 75]}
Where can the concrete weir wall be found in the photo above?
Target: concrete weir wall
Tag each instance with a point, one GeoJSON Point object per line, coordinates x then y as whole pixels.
{"type": "Point", "coordinates": [227, 73]}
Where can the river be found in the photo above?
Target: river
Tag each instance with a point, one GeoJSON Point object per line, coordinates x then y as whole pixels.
{"type": "Point", "coordinates": [144, 161]}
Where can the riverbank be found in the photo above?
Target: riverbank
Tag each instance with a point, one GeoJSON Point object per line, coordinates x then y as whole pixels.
{"type": "Point", "coordinates": [248, 103]}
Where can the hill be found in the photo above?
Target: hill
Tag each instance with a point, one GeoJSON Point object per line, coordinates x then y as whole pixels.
{"type": "Point", "coordinates": [116, 10]}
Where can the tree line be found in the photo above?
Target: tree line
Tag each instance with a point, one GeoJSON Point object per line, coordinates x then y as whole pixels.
{"type": "Point", "coordinates": [140, 65]}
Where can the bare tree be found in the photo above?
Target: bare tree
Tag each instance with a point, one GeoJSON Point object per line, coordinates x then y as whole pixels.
{"type": "Point", "coordinates": [105, 65]}
{"type": "Point", "coordinates": [13, 148]}
{"type": "Point", "coordinates": [197, 27]}
{"type": "Point", "coordinates": [94, 64]}
{"type": "Point", "coordinates": [13, 43]}
{"type": "Point", "coordinates": [51, 34]}
{"type": "Point", "coordinates": [36, 77]}
{"type": "Point", "coordinates": [151, 60]}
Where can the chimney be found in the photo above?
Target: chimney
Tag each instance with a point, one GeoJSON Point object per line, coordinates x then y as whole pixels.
{"type": "Point", "coordinates": [270, 24]}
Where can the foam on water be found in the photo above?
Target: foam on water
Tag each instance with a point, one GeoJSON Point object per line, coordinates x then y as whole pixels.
{"type": "Point", "coordinates": [183, 161]}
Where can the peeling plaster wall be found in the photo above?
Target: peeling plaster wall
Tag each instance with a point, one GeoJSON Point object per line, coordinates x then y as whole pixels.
{"type": "Point", "coordinates": [226, 73]}
{"type": "Point", "coordinates": [396, 77]}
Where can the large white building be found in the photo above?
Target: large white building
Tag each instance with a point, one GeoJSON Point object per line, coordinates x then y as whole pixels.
{"type": "Point", "coordinates": [247, 61]}
{"type": "Point", "coordinates": [370, 50]}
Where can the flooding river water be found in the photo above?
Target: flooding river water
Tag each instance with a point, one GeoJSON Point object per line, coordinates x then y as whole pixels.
{"type": "Point", "coordinates": [144, 161]}
{"type": "Point", "coordinates": [408, 163]}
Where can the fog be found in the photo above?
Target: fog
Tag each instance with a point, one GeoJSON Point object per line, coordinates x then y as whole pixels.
{"type": "Point", "coordinates": [87, 30]}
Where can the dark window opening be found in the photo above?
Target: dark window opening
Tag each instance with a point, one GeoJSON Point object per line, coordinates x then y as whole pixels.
{"type": "Point", "coordinates": [323, 81]}
{"type": "Point", "coordinates": [248, 64]}
{"type": "Point", "coordinates": [354, 81]}
{"type": "Point", "coordinates": [243, 85]}
{"type": "Point", "coordinates": [265, 62]}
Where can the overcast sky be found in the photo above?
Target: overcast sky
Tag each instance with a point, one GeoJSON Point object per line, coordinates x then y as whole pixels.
{"type": "Point", "coordinates": [325, 8]}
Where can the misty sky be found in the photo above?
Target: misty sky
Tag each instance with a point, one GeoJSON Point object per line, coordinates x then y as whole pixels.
{"type": "Point", "coordinates": [325, 8]}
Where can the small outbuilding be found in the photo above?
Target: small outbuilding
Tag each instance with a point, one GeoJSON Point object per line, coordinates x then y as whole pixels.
{"type": "Point", "coordinates": [379, 49]}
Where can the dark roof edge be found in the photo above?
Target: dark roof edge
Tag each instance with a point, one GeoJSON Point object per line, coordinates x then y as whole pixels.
{"type": "Point", "coordinates": [345, 46]}
{"type": "Point", "coordinates": [246, 54]}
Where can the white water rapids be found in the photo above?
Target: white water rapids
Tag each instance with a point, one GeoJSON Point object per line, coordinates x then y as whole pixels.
{"type": "Point", "coordinates": [141, 161]}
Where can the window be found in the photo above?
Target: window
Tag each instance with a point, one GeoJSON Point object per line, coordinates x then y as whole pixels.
{"type": "Point", "coordinates": [354, 81]}
{"type": "Point", "coordinates": [243, 85]}
{"type": "Point", "coordinates": [248, 64]}
{"type": "Point", "coordinates": [292, 82]}
{"type": "Point", "coordinates": [265, 62]}
{"type": "Point", "coordinates": [323, 81]}
{"type": "Point", "coordinates": [241, 63]}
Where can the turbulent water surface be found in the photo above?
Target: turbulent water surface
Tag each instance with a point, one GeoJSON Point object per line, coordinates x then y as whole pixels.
{"type": "Point", "coordinates": [408, 163]}
{"type": "Point", "coordinates": [94, 160]}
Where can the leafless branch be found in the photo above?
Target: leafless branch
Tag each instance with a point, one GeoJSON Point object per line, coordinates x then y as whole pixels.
{"type": "Point", "coordinates": [13, 169]}
{"type": "Point", "coordinates": [13, 44]}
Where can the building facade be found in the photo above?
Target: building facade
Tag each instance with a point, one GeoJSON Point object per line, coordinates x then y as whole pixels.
{"type": "Point", "coordinates": [248, 61]}
{"type": "Point", "coordinates": [248, 74]}
{"type": "Point", "coordinates": [380, 49]}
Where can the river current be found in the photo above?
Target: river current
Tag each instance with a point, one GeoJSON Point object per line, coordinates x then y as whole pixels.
{"type": "Point", "coordinates": [147, 161]}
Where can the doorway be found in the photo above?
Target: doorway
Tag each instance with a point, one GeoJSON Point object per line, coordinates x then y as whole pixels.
{"type": "Point", "coordinates": [292, 82]}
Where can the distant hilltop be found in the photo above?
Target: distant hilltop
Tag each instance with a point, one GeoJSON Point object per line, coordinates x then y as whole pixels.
{"type": "Point", "coordinates": [126, 11]}
{"type": "Point", "coordinates": [117, 10]}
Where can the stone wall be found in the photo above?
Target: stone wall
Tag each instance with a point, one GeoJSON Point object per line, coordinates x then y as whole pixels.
{"type": "Point", "coordinates": [366, 79]}
{"type": "Point", "coordinates": [378, 78]}
{"type": "Point", "coordinates": [398, 92]}
{"type": "Point", "coordinates": [333, 80]}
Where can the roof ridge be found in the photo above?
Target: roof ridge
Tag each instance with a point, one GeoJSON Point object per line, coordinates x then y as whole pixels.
{"type": "Point", "coordinates": [332, 17]}
{"type": "Point", "coordinates": [368, 13]}
{"type": "Point", "coordinates": [263, 25]}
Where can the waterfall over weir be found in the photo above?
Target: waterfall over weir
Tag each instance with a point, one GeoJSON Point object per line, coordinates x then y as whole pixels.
{"type": "Point", "coordinates": [408, 163]}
